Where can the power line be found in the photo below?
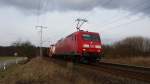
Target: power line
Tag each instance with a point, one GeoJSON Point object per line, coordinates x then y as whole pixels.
{"type": "Point", "coordinates": [80, 21]}
{"type": "Point", "coordinates": [126, 16]}
{"type": "Point", "coordinates": [89, 15]}
{"type": "Point", "coordinates": [105, 3]}
{"type": "Point", "coordinates": [127, 23]}
{"type": "Point", "coordinates": [39, 12]}
{"type": "Point", "coordinates": [44, 9]}
{"type": "Point", "coordinates": [130, 22]}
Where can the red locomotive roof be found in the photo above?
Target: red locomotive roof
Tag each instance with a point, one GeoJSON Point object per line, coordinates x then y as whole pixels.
{"type": "Point", "coordinates": [81, 31]}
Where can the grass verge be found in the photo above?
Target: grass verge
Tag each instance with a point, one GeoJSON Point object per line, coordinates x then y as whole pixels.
{"type": "Point", "coordinates": [41, 71]}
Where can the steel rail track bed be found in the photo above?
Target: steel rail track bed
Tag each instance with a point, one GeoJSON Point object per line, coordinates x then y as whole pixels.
{"type": "Point", "coordinates": [132, 72]}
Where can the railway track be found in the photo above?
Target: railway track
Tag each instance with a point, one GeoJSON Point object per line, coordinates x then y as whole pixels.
{"type": "Point", "coordinates": [125, 71]}
{"type": "Point", "coordinates": [117, 70]}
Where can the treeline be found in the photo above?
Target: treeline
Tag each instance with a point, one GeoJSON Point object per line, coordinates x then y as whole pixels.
{"type": "Point", "coordinates": [128, 47]}
{"type": "Point", "coordinates": [21, 49]}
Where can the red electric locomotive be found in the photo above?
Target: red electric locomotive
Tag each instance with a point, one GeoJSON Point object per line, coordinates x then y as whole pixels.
{"type": "Point", "coordinates": [82, 46]}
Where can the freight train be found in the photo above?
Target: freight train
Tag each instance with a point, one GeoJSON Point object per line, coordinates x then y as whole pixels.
{"type": "Point", "coordinates": [80, 46]}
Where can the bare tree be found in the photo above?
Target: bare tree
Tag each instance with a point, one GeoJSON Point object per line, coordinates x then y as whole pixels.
{"type": "Point", "coordinates": [131, 46]}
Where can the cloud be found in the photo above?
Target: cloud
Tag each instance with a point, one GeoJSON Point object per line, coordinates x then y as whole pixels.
{"type": "Point", "coordinates": [135, 6]}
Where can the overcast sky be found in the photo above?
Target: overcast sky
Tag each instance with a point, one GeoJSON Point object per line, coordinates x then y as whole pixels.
{"type": "Point", "coordinates": [113, 19]}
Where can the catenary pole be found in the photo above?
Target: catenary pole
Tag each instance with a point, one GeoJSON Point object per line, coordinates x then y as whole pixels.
{"type": "Point", "coordinates": [41, 38]}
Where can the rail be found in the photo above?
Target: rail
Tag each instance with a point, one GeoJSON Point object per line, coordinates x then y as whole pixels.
{"type": "Point", "coordinates": [124, 71]}
{"type": "Point", "coordinates": [132, 72]}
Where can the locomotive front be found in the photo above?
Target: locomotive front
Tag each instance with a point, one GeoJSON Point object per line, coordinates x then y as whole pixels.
{"type": "Point", "coordinates": [90, 46]}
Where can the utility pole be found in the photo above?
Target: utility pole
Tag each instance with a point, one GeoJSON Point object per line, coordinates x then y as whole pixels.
{"type": "Point", "coordinates": [80, 22]}
{"type": "Point", "coordinates": [41, 38]}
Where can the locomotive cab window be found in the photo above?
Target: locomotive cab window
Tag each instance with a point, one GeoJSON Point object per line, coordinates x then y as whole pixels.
{"type": "Point", "coordinates": [90, 37]}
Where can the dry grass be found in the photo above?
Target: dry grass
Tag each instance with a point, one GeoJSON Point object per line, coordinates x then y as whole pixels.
{"type": "Point", "coordinates": [40, 71]}
{"type": "Point", "coordinates": [6, 58]}
{"type": "Point", "coordinates": [138, 61]}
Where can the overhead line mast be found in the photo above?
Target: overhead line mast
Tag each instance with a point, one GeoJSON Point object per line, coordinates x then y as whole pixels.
{"type": "Point", "coordinates": [41, 38]}
{"type": "Point", "coordinates": [39, 12]}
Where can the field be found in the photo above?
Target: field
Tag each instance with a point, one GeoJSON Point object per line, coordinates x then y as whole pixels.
{"type": "Point", "coordinates": [5, 58]}
{"type": "Point", "coordinates": [43, 71]}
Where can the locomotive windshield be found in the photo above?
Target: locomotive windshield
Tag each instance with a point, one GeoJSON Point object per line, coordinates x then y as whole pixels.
{"type": "Point", "coordinates": [91, 37]}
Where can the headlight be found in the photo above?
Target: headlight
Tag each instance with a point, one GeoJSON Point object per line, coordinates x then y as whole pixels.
{"type": "Point", "coordinates": [86, 46]}
{"type": "Point", "coordinates": [98, 46]}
